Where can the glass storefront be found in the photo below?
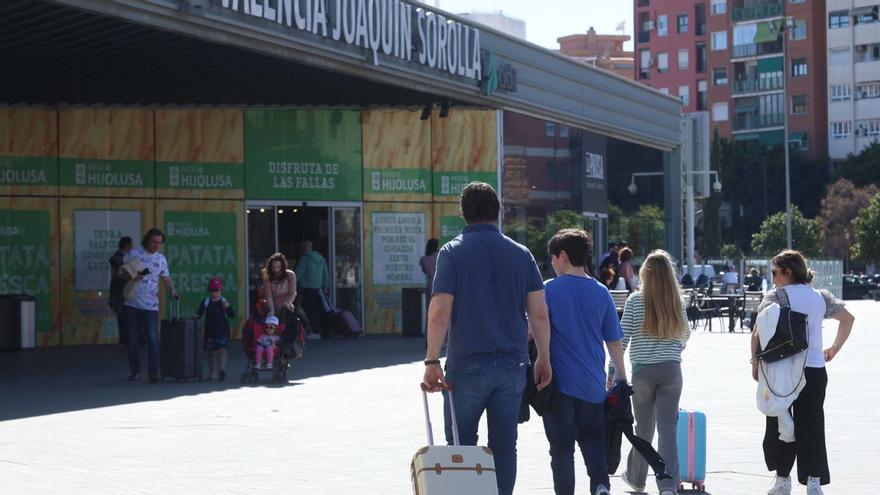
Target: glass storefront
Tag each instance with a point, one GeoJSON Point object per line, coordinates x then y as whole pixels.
{"type": "Point", "coordinates": [335, 233]}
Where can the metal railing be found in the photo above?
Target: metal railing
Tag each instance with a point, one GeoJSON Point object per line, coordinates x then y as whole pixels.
{"type": "Point", "coordinates": [756, 49]}
{"type": "Point", "coordinates": [761, 11]}
{"type": "Point", "coordinates": [754, 121]}
{"type": "Point", "coordinates": [757, 85]}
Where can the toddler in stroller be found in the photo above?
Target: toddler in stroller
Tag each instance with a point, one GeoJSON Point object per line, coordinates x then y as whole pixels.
{"type": "Point", "coordinates": [278, 343]}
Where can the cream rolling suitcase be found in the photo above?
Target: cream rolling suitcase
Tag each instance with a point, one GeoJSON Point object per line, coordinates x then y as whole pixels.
{"type": "Point", "coordinates": [452, 469]}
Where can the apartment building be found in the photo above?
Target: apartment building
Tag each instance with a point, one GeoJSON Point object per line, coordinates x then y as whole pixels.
{"type": "Point", "coordinates": [853, 76]}
{"type": "Point", "coordinates": [741, 75]}
{"type": "Point", "coordinates": [671, 49]}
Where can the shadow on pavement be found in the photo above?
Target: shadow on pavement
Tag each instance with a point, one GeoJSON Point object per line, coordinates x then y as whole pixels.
{"type": "Point", "coordinates": [63, 379]}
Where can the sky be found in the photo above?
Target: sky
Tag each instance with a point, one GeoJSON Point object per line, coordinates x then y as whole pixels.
{"type": "Point", "coordinates": [547, 20]}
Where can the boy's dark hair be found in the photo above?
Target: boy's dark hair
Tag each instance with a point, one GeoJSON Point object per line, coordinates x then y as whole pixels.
{"type": "Point", "coordinates": [612, 245]}
{"type": "Point", "coordinates": [125, 242]}
{"type": "Point", "coordinates": [150, 233]}
{"type": "Point", "coordinates": [577, 243]}
{"type": "Point", "coordinates": [479, 203]}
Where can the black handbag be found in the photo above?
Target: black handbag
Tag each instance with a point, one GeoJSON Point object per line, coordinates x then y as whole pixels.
{"type": "Point", "coordinates": [790, 337]}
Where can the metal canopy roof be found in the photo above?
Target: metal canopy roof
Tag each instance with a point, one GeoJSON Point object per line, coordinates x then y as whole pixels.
{"type": "Point", "coordinates": [156, 52]}
{"type": "Point", "coordinates": [53, 54]}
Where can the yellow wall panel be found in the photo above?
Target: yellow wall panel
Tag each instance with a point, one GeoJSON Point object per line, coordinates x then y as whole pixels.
{"type": "Point", "coordinates": [90, 231]}
{"type": "Point", "coordinates": [107, 152]}
{"type": "Point", "coordinates": [200, 154]}
{"type": "Point", "coordinates": [391, 257]}
{"type": "Point", "coordinates": [397, 156]}
{"type": "Point", "coordinates": [464, 149]}
{"type": "Point", "coordinates": [28, 151]}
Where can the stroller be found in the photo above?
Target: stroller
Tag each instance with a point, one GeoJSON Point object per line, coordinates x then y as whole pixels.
{"type": "Point", "coordinates": [290, 346]}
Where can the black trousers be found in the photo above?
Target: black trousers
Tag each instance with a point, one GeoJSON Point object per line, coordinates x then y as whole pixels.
{"type": "Point", "coordinates": [809, 432]}
{"type": "Point", "coordinates": [314, 308]}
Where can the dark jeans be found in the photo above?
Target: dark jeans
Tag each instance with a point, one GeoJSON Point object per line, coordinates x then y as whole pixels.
{"type": "Point", "coordinates": [137, 321]}
{"type": "Point", "coordinates": [809, 432]}
{"type": "Point", "coordinates": [495, 386]}
{"type": "Point", "coordinates": [569, 420]}
{"type": "Point", "coordinates": [314, 308]}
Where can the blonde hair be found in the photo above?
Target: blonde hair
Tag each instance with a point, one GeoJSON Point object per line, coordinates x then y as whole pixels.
{"type": "Point", "coordinates": [662, 297]}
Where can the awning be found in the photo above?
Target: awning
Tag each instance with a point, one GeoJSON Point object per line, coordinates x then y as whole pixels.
{"type": "Point", "coordinates": [746, 137]}
{"type": "Point", "coordinates": [768, 31]}
{"type": "Point", "coordinates": [866, 10]}
{"type": "Point", "coordinates": [771, 137]}
{"type": "Point", "coordinates": [766, 65]}
{"type": "Point", "coordinates": [797, 136]}
{"type": "Point", "coordinates": [746, 106]}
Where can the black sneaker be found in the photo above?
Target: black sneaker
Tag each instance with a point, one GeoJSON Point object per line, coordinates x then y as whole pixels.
{"type": "Point", "coordinates": [221, 376]}
{"type": "Point", "coordinates": [154, 378]}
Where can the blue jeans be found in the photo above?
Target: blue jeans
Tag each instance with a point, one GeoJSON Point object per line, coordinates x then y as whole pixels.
{"type": "Point", "coordinates": [569, 420]}
{"type": "Point", "coordinates": [137, 321]}
{"type": "Point", "coordinates": [495, 386]}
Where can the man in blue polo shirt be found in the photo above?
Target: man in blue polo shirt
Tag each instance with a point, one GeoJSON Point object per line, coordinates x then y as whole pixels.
{"type": "Point", "coordinates": [484, 286]}
{"type": "Point", "coordinates": [582, 319]}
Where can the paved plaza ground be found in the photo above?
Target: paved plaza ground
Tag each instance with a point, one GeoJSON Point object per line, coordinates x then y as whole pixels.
{"type": "Point", "coordinates": [351, 419]}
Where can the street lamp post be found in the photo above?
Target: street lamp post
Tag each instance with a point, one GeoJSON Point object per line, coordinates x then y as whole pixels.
{"type": "Point", "coordinates": [689, 200]}
{"type": "Point", "coordinates": [785, 103]}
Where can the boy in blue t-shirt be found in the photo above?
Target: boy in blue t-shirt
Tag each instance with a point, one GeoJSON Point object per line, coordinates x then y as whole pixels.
{"type": "Point", "coordinates": [582, 319]}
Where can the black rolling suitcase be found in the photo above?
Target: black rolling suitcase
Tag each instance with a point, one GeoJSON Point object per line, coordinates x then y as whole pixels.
{"type": "Point", "coordinates": [181, 348]}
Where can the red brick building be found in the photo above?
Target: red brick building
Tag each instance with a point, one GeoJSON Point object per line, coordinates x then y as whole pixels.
{"type": "Point", "coordinates": [739, 73]}
{"type": "Point", "coordinates": [600, 50]}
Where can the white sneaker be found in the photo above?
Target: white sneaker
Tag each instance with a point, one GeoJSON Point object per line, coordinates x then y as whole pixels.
{"type": "Point", "coordinates": [781, 486]}
{"type": "Point", "coordinates": [814, 485]}
{"type": "Point", "coordinates": [635, 487]}
{"type": "Point", "coordinates": [602, 490]}
{"type": "Point", "coordinates": [269, 366]}
{"type": "Point", "coordinates": [313, 336]}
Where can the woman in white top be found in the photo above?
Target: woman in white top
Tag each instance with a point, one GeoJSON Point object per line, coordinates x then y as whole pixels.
{"type": "Point", "coordinates": [655, 329]}
{"type": "Point", "coordinates": [790, 273]}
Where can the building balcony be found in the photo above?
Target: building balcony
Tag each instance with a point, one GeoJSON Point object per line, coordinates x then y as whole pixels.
{"type": "Point", "coordinates": [756, 49]}
{"type": "Point", "coordinates": [756, 121]}
{"type": "Point", "coordinates": [866, 33]}
{"type": "Point", "coordinates": [868, 71]}
{"type": "Point", "coordinates": [752, 12]}
{"type": "Point", "coordinates": [757, 85]}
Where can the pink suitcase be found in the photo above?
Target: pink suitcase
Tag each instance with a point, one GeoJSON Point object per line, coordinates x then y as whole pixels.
{"type": "Point", "coordinates": [452, 469]}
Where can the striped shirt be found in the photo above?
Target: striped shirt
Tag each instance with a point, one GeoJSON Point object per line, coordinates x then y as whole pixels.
{"type": "Point", "coordinates": [646, 350]}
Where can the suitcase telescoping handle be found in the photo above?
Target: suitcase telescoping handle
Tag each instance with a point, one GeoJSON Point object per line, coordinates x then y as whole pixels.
{"type": "Point", "coordinates": [175, 314]}
{"type": "Point", "coordinates": [428, 427]}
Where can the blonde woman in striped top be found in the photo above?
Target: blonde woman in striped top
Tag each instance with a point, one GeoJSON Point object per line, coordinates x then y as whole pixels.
{"type": "Point", "coordinates": [655, 329]}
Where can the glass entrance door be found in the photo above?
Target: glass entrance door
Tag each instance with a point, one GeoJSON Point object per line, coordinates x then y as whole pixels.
{"type": "Point", "coordinates": [335, 233]}
{"type": "Point", "coordinates": [347, 260]}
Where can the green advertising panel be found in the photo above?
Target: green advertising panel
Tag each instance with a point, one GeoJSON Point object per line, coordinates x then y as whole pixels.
{"type": "Point", "coordinates": [397, 181]}
{"type": "Point", "coordinates": [452, 183]}
{"type": "Point", "coordinates": [173, 175]}
{"type": "Point", "coordinates": [28, 171]}
{"type": "Point", "coordinates": [110, 174]}
{"type": "Point", "coordinates": [450, 227]}
{"type": "Point", "coordinates": [25, 260]}
{"type": "Point", "coordinates": [199, 246]}
{"type": "Point", "coordinates": [303, 155]}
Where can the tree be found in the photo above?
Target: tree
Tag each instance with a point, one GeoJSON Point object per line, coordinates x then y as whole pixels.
{"type": "Point", "coordinates": [862, 169]}
{"type": "Point", "coordinates": [839, 207]}
{"type": "Point", "coordinates": [866, 227]}
{"type": "Point", "coordinates": [731, 252]}
{"type": "Point", "coordinates": [806, 235]}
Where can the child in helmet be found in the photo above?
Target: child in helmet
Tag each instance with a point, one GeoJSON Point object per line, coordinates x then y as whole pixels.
{"type": "Point", "coordinates": [217, 311]}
